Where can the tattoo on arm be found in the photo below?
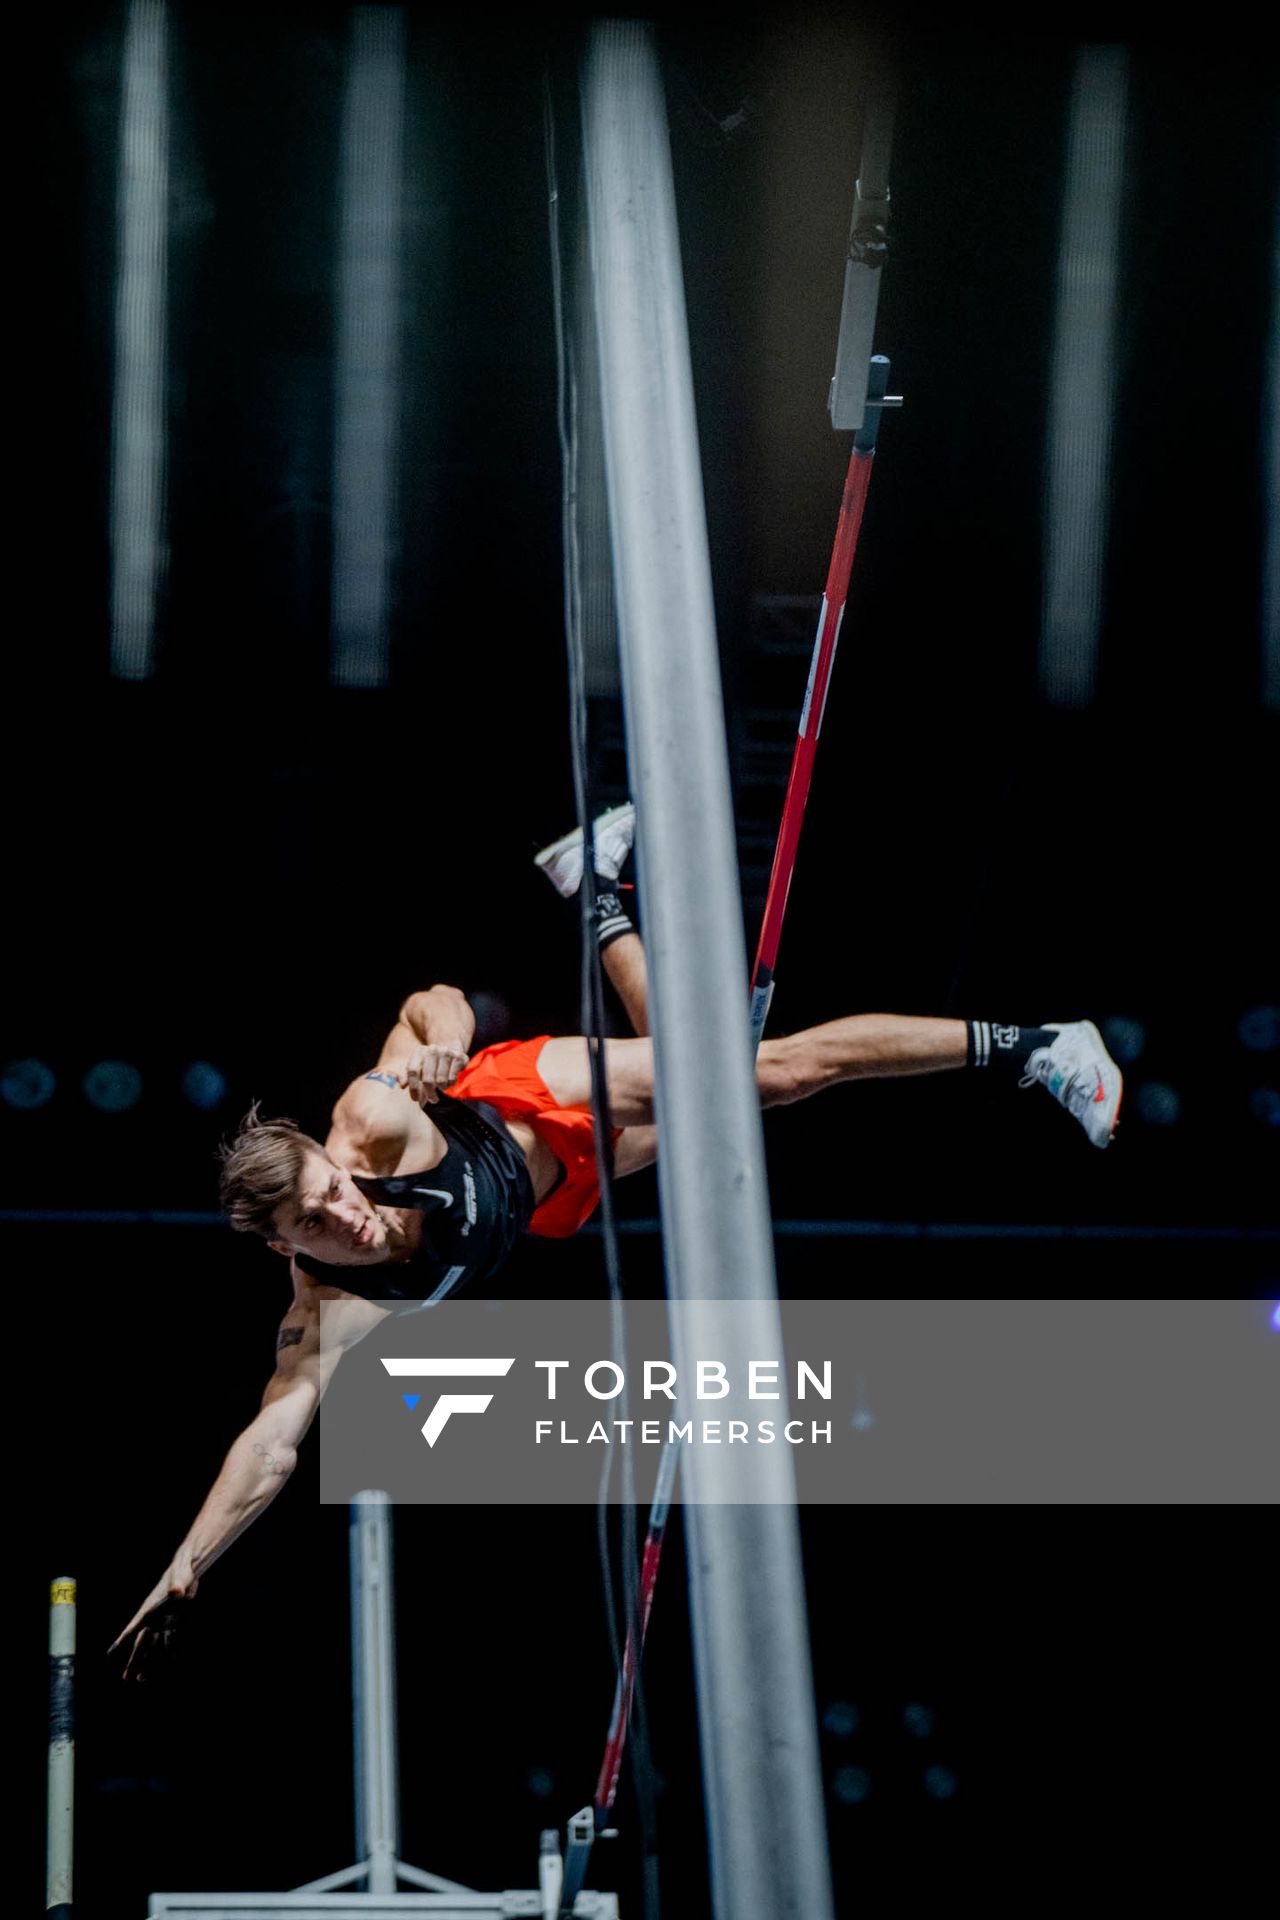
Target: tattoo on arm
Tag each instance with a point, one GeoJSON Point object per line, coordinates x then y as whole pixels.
{"type": "Point", "coordinates": [268, 1459]}
{"type": "Point", "coordinates": [387, 1079]}
{"type": "Point", "coordinates": [289, 1337]}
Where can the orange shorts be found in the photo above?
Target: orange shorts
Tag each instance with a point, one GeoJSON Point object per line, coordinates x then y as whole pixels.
{"type": "Point", "coordinates": [506, 1076]}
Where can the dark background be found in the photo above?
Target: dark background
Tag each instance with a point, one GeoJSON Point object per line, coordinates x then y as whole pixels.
{"type": "Point", "coordinates": [236, 862]}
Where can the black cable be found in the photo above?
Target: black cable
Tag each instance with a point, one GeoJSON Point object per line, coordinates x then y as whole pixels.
{"type": "Point", "coordinates": [592, 1002]}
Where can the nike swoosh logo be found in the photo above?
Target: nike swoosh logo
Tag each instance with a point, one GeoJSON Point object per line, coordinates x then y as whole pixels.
{"type": "Point", "coordinates": [434, 1193]}
{"type": "Point", "coordinates": [1101, 1094]}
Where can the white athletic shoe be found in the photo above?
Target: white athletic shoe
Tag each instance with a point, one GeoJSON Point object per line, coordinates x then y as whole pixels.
{"type": "Point", "coordinates": [1081, 1076]}
{"type": "Point", "coordinates": [612, 834]}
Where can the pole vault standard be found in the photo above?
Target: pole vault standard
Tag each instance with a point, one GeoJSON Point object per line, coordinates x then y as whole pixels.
{"type": "Point", "coordinates": [422, 1896]}
{"type": "Point", "coordinates": [755, 1687]}
{"type": "Point", "coordinates": [857, 398]}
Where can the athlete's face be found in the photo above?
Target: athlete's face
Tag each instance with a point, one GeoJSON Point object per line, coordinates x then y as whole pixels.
{"type": "Point", "coordinates": [330, 1218]}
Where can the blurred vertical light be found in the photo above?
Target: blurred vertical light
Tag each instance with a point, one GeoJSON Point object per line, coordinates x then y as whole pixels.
{"type": "Point", "coordinates": [1271, 495]}
{"type": "Point", "coordinates": [1082, 381]}
{"type": "Point", "coordinates": [138, 400]}
{"type": "Point", "coordinates": [368, 354]}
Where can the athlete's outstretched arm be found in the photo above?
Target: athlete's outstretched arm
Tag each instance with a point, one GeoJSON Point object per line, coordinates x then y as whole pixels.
{"type": "Point", "coordinates": [259, 1462]}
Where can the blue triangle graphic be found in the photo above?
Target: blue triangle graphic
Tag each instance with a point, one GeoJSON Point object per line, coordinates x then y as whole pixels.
{"type": "Point", "coordinates": [411, 1400]}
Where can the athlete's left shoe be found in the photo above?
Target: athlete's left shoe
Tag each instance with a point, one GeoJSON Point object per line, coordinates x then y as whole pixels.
{"type": "Point", "coordinates": [1081, 1076]}
{"type": "Point", "coordinates": [612, 834]}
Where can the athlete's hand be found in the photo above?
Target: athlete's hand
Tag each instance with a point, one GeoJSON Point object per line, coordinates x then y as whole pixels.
{"type": "Point", "coordinates": [148, 1639]}
{"type": "Point", "coordinates": [431, 1068]}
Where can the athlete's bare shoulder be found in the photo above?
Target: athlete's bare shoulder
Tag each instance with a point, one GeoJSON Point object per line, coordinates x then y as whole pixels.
{"type": "Point", "coordinates": [379, 1128]}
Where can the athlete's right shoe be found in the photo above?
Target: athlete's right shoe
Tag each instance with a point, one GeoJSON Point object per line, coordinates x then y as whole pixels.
{"type": "Point", "coordinates": [1081, 1076]}
{"type": "Point", "coordinates": [612, 834]}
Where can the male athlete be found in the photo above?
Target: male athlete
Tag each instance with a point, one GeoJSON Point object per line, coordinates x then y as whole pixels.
{"type": "Point", "coordinates": [436, 1162]}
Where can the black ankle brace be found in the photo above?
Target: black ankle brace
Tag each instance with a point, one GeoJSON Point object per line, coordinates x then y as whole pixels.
{"type": "Point", "coordinates": [609, 916]}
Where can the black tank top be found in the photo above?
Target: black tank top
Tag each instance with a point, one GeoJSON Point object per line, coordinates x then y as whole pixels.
{"type": "Point", "coordinates": [478, 1201]}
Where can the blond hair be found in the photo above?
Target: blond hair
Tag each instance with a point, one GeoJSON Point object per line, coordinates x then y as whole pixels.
{"type": "Point", "coordinates": [261, 1169]}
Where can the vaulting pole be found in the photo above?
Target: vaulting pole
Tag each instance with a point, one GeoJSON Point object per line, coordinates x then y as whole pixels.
{"type": "Point", "coordinates": [848, 526]}
{"type": "Point", "coordinates": [62, 1747]}
{"type": "Point", "coordinates": [755, 1690]}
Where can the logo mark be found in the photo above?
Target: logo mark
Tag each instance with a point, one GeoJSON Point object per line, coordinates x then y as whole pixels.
{"type": "Point", "coordinates": [449, 1403]}
{"type": "Point", "coordinates": [435, 1193]}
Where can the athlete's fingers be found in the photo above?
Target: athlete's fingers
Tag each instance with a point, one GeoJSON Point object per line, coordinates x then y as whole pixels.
{"type": "Point", "coordinates": [429, 1069]}
{"type": "Point", "coordinates": [141, 1658]}
{"type": "Point", "coordinates": [123, 1642]}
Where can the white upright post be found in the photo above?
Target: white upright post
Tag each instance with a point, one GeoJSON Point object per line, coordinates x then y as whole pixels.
{"type": "Point", "coordinates": [374, 1690]}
